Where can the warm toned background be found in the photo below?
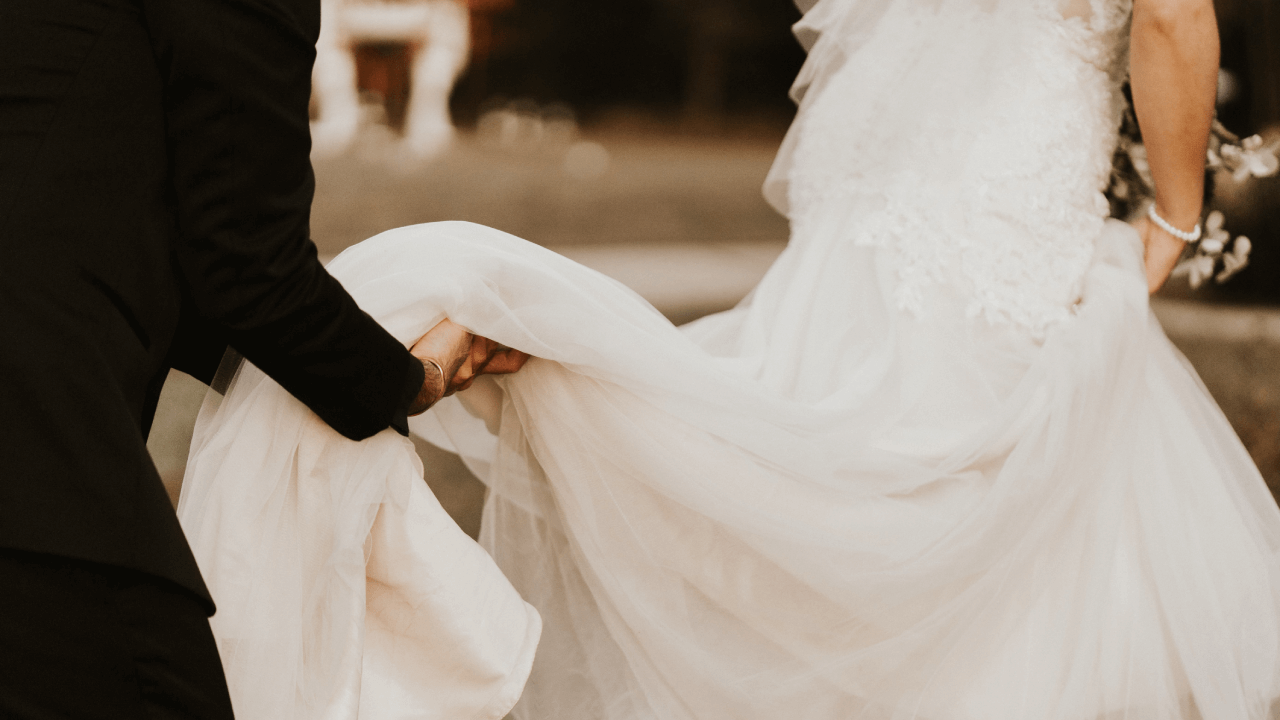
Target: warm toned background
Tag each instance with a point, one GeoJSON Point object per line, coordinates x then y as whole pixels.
{"type": "Point", "coordinates": [634, 135]}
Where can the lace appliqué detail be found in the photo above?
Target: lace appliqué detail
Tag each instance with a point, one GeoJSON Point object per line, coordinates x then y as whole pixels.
{"type": "Point", "coordinates": [1000, 198]}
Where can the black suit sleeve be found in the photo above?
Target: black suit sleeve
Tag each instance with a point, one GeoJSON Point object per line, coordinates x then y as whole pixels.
{"type": "Point", "coordinates": [237, 82]}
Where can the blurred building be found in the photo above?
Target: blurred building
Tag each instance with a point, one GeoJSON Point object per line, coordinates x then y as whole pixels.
{"type": "Point", "coordinates": [399, 59]}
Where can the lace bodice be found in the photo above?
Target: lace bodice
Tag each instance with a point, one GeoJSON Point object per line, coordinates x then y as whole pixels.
{"type": "Point", "coordinates": [990, 180]}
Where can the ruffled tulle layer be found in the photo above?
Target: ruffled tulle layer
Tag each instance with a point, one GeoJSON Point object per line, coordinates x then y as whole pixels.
{"type": "Point", "coordinates": [816, 506]}
{"type": "Point", "coordinates": [813, 506]}
{"type": "Point", "coordinates": [343, 588]}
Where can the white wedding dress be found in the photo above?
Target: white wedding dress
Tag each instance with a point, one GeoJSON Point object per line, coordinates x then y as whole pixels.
{"type": "Point", "coordinates": [942, 464]}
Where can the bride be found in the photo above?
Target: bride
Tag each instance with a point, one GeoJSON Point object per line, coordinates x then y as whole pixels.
{"type": "Point", "coordinates": [941, 464]}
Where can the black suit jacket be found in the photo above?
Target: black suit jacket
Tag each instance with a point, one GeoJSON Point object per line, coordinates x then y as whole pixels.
{"type": "Point", "coordinates": [155, 192]}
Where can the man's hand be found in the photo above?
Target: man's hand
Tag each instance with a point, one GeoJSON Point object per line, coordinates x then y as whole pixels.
{"type": "Point", "coordinates": [486, 357]}
{"type": "Point", "coordinates": [463, 356]}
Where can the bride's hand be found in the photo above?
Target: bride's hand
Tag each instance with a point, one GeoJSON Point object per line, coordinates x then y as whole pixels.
{"type": "Point", "coordinates": [463, 356]}
{"type": "Point", "coordinates": [1161, 253]}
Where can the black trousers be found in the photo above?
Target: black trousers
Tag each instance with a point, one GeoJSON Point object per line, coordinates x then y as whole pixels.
{"type": "Point", "coordinates": [82, 641]}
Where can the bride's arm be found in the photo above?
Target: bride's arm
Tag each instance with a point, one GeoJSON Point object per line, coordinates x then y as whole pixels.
{"type": "Point", "coordinates": [1174, 75]}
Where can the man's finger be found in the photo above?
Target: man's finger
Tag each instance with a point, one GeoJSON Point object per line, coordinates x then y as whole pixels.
{"type": "Point", "coordinates": [463, 377]}
{"type": "Point", "coordinates": [505, 362]}
{"type": "Point", "coordinates": [481, 352]}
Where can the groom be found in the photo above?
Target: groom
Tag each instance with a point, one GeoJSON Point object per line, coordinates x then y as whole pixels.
{"type": "Point", "coordinates": [155, 191]}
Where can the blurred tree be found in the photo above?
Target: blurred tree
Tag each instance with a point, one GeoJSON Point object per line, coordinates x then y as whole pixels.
{"type": "Point", "coordinates": [714, 26]}
{"type": "Point", "coordinates": [698, 58]}
{"type": "Point", "coordinates": [1251, 54]}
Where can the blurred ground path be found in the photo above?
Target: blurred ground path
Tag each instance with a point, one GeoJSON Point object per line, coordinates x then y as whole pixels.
{"type": "Point", "coordinates": [684, 225]}
{"type": "Point", "coordinates": [619, 189]}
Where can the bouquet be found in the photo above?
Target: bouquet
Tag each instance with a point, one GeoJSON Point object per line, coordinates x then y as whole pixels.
{"type": "Point", "coordinates": [1216, 254]}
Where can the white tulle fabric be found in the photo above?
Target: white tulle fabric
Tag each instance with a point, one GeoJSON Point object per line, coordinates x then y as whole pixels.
{"type": "Point", "coordinates": [344, 590]}
{"type": "Point", "coordinates": [832, 509]}
{"type": "Point", "coordinates": [946, 467]}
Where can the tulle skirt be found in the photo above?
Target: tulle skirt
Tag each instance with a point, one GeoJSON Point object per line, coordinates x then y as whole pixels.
{"type": "Point", "coordinates": [815, 505]}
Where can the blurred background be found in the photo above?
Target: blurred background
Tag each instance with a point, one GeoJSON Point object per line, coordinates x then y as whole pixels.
{"type": "Point", "coordinates": [634, 136]}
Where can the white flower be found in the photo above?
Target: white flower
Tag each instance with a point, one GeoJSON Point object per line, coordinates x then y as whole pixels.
{"type": "Point", "coordinates": [1215, 237]}
{"type": "Point", "coordinates": [1251, 158]}
{"type": "Point", "coordinates": [1197, 268]}
{"type": "Point", "coordinates": [1236, 260]}
{"type": "Point", "coordinates": [1212, 159]}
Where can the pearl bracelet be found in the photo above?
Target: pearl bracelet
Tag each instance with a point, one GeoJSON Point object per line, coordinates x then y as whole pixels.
{"type": "Point", "coordinates": [1164, 225]}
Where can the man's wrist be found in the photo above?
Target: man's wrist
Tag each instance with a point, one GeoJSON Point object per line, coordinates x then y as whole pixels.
{"type": "Point", "coordinates": [412, 386]}
{"type": "Point", "coordinates": [432, 389]}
